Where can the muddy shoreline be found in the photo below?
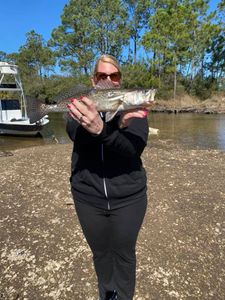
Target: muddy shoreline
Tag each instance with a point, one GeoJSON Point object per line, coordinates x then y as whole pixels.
{"type": "Point", "coordinates": [187, 104]}
{"type": "Point", "coordinates": [180, 247]}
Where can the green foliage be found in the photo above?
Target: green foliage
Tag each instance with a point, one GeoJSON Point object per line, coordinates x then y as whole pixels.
{"type": "Point", "coordinates": [179, 32]}
{"type": "Point", "coordinates": [72, 40]}
{"type": "Point", "coordinates": [138, 14]}
{"type": "Point", "coordinates": [216, 49]}
{"type": "Point", "coordinates": [3, 56]}
{"type": "Point", "coordinates": [109, 26]}
{"type": "Point", "coordinates": [201, 88]}
{"type": "Point", "coordinates": [136, 75]}
{"type": "Point", "coordinates": [50, 87]}
{"type": "Point", "coordinates": [35, 56]}
{"type": "Point", "coordinates": [183, 46]}
{"type": "Point", "coordinates": [89, 28]}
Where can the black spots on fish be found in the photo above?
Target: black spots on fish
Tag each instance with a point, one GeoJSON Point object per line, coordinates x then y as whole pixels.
{"type": "Point", "coordinates": [74, 92]}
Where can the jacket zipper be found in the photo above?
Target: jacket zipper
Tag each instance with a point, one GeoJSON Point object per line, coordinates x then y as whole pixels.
{"type": "Point", "coordinates": [104, 181]}
{"type": "Point", "coordinates": [103, 173]}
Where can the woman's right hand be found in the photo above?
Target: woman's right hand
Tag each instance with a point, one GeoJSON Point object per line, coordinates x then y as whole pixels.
{"type": "Point", "coordinates": [85, 112]}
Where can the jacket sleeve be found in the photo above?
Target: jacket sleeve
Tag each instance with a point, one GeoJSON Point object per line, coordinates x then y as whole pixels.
{"type": "Point", "coordinates": [129, 141]}
{"type": "Point", "coordinates": [77, 133]}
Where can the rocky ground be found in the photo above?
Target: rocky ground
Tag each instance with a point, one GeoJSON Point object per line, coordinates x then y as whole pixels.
{"type": "Point", "coordinates": [181, 246]}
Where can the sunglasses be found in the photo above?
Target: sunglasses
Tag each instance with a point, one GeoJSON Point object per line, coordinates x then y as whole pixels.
{"type": "Point", "coordinates": [116, 76]}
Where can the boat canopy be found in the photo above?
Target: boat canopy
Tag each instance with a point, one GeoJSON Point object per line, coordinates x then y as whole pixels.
{"type": "Point", "coordinates": [10, 82]}
{"type": "Point", "coordinates": [6, 68]}
{"type": "Point", "coordinates": [9, 78]}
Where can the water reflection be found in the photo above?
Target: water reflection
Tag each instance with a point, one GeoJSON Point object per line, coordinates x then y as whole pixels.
{"type": "Point", "coordinates": [221, 133]}
{"type": "Point", "coordinates": [192, 130]}
{"type": "Point", "coordinates": [56, 129]}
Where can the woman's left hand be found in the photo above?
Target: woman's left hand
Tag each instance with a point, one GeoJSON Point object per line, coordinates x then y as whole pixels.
{"type": "Point", "coordinates": [128, 115]}
{"type": "Point", "coordinates": [85, 112]}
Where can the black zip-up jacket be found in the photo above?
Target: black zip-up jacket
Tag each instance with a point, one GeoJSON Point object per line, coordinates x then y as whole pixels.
{"type": "Point", "coordinates": [107, 170]}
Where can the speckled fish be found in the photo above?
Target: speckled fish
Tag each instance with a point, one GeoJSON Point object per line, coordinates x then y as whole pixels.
{"type": "Point", "coordinates": [106, 100]}
{"type": "Point", "coordinates": [109, 99]}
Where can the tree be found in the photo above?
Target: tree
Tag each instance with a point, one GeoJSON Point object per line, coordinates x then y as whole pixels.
{"type": "Point", "coordinates": [35, 56]}
{"type": "Point", "coordinates": [3, 56]}
{"type": "Point", "coordinates": [168, 36]}
{"type": "Point", "coordinates": [89, 28]}
{"type": "Point", "coordinates": [138, 14]}
{"type": "Point", "coordinates": [137, 76]}
{"type": "Point", "coordinates": [109, 21]}
{"type": "Point", "coordinates": [72, 40]}
{"type": "Point", "coordinates": [179, 33]}
{"type": "Point", "coordinates": [202, 31]}
{"type": "Point", "coordinates": [216, 49]}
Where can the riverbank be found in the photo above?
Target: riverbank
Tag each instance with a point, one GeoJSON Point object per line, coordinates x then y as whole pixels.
{"type": "Point", "coordinates": [180, 247]}
{"type": "Point", "coordinates": [186, 103]}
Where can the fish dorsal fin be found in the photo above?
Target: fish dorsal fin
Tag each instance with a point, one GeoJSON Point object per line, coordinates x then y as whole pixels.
{"type": "Point", "coordinates": [77, 90]}
{"type": "Point", "coordinates": [104, 85]}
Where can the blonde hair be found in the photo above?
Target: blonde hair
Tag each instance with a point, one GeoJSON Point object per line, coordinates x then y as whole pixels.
{"type": "Point", "coordinates": [109, 59]}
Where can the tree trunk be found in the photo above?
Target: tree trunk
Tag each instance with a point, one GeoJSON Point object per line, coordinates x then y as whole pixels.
{"type": "Point", "coordinates": [175, 81]}
{"type": "Point", "coordinates": [135, 49]}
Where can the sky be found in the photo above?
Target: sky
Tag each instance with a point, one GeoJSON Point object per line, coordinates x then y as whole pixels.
{"type": "Point", "coordinates": [19, 17]}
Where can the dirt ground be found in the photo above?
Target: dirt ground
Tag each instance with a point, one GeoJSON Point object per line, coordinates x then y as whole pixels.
{"type": "Point", "coordinates": [181, 247]}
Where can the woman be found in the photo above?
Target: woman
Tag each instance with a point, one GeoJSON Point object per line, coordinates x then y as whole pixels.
{"type": "Point", "coordinates": [108, 184]}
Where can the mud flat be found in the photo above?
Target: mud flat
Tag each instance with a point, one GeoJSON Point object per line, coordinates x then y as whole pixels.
{"type": "Point", "coordinates": [180, 248]}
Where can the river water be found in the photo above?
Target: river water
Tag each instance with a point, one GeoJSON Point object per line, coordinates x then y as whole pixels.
{"type": "Point", "coordinates": [194, 131]}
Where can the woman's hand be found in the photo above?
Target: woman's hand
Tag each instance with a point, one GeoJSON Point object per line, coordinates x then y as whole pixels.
{"type": "Point", "coordinates": [85, 112]}
{"type": "Point", "coordinates": [128, 115]}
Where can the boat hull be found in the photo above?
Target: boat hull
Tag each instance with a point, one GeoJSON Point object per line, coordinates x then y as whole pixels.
{"type": "Point", "coordinates": [22, 129]}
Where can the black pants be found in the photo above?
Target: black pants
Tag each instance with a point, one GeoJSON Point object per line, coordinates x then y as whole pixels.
{"type": "Point", "coordinates": [112, 237]}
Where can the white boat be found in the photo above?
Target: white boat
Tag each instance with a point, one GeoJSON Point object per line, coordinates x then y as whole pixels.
{"type": "Point", "coordinates": [13, 105]}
